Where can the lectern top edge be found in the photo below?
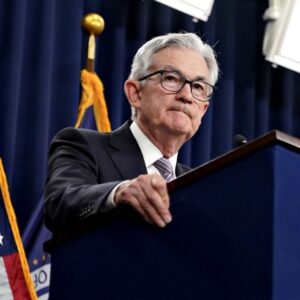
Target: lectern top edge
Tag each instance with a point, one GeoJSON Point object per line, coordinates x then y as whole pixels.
{"type": "Point", "coordinates": [270, 138]}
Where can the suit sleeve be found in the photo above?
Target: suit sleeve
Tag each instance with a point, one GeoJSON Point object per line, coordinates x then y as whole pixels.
{"type": "Point", "coordinates": [74, 190]}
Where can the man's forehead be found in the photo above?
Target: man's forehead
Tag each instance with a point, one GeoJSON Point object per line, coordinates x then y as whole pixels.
{"type": "Point", "coordinates": [189, 62]}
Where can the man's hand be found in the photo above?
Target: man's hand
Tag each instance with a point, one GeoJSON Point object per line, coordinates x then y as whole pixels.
{"type": "Point", "coordinates": [149, 196]}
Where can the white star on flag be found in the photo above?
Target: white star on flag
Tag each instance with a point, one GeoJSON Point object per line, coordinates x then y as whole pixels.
{"type": "Point", "coordinates": [1, 239]}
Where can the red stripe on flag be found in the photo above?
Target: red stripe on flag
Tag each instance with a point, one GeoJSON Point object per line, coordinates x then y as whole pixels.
{"type": "Point", "coordinates": [16, 277]}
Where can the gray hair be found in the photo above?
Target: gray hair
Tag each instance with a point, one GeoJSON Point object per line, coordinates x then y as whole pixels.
{"type": "Point", "coordinates": [143, 58]}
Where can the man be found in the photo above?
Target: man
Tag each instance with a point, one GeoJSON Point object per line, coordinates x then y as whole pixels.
{"type": "Point", "coordinates": [169, 87]}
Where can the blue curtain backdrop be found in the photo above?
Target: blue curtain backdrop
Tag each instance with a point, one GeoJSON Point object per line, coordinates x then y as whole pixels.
{"type": "Point", "coordinates": [43, 49]}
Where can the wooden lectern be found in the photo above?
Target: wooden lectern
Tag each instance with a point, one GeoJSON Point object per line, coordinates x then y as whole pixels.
{"type": "Point", "coordinates": [235, 234]}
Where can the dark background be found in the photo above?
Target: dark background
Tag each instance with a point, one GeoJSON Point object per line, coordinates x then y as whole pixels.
{"type": "Point", "coordinates": [43, 49]}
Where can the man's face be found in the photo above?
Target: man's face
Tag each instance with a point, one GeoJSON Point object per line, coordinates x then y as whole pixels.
{"type": "Point", "coordinates": [161, 112]}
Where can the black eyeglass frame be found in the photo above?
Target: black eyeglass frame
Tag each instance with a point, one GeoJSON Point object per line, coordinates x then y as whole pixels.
{"type": "Point", "coordinates": [185, 81]}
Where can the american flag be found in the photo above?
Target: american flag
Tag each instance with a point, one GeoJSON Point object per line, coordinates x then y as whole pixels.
{"type": "Point", "coordinates": [15, 279]}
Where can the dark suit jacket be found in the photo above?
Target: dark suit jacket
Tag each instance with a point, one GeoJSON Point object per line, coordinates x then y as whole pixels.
{"type": "Point", "coordinates": [84, 166]}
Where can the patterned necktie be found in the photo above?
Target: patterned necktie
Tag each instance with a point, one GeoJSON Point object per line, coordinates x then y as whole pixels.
{"type": "Point", "coordinates": [165, 168]}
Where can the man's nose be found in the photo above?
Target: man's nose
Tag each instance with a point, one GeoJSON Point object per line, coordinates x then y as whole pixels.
{"type": "Point", "coordinates": [185, 93]}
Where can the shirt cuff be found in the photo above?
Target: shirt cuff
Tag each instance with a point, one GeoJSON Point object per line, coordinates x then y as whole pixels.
{"type": "Point", "coordinates": [110, 203]}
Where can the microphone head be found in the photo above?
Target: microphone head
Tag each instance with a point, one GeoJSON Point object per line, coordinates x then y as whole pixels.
{"type": "Point", "coordinates": [239, 140]}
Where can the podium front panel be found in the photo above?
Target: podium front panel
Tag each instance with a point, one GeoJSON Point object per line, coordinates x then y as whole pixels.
{"type": "Point", "coordinates": [234, 235]}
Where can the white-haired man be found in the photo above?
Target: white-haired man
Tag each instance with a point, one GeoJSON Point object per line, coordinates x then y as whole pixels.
{"type": "Point", "coordinates": [171, 82]}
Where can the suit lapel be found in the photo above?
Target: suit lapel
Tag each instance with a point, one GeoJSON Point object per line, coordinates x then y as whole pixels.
{"type": "Point", "coordinates": [125, 153]}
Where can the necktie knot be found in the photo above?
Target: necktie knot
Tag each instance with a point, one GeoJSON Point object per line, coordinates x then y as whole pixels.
{"type": "Point", "coordinates": [165, 168]}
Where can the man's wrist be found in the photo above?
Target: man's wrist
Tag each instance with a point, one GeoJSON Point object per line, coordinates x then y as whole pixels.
{"type": "Point", "coordinates": [110, 202]}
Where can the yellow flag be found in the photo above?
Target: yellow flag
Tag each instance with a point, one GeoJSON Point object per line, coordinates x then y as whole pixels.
{"type": "Point", "coordinates": [93, 95]}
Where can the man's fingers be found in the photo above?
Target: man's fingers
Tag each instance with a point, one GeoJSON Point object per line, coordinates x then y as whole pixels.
{"type": "Point", "coordinates": [156, 201]}
{"type": "Point", "coordinates": [149, 196]}
{"type": "Point", "coordinates": [146, 211]}
{"type": "Point", "coordinates": [156, 215]}
{"type": "Point", "coordinates": [159, 184]}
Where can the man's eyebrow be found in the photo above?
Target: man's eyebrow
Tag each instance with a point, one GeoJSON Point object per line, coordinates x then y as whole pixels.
{"type": "Point", "coordinates": [200, 78]}
{"type": "Point", "coordinates": [172, 68]}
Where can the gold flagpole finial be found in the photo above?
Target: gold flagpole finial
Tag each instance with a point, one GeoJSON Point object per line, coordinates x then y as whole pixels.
{"type": "Point", "coordinates": [92, 24]}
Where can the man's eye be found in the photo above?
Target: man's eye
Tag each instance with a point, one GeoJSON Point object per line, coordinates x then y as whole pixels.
{"type": "Point", "coordinates": [199, 86]}
{"type": "Point", "coordinates": [171, 78]}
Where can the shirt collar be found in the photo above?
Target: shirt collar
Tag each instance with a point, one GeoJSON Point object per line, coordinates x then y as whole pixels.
{"type": "Point", "coordinates": [149, 151]}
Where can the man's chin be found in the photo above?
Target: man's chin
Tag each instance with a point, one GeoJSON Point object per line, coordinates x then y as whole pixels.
{"type": "Point", "coordinates": [181, 129]}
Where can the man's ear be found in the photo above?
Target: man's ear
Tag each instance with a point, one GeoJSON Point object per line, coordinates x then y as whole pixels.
{"type": "Point", "coordinates": [205, 107]}
{"type": "Point", "coordinates": [204, 110]}
{"type": "Point", "coordinates": [132, 91]}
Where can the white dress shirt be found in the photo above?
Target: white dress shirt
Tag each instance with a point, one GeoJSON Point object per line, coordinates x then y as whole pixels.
{"type": "Point", "coordinates": [149, 151]}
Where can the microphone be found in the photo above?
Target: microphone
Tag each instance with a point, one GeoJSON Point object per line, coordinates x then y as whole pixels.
{"type": "Point", "coordinates": [239, 140]}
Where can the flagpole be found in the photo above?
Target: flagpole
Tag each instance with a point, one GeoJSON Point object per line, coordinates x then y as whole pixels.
{"type": "Point", "coordinates": [93, 24]}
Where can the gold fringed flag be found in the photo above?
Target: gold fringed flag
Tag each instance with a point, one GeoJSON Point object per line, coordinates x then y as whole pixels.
{"type": "Point", "coordinates": [92, 87]}
{"type": "Point", "coordinates": [93, 96]}
{"type": "Point", "coordinates": [15, 278]}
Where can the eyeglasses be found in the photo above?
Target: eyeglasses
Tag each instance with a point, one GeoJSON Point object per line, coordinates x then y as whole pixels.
{"type": "Point", "coordinates": [174, 81]}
